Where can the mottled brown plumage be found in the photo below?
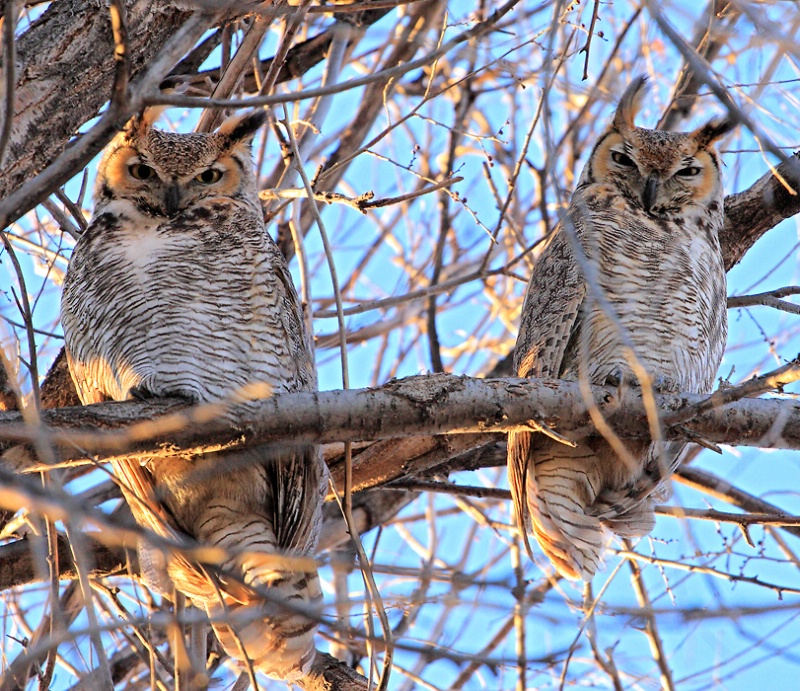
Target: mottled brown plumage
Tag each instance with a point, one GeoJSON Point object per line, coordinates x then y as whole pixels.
{"type": "Point", "coordinates": [631, 278]}
{"type": "Point", "coordinates": [176, 288]}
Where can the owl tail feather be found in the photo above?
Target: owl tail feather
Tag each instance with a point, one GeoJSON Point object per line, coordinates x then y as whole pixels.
{"type": "Point", "coordinates": [275, 631]}
{"type": "Point", "coordinates": [518, 449]}
{"type": "Point", "coordinates": [264, 605]}
{"type": "Point", "coordinates": [637, 522]}
{"type": "Point", "coordinates": [562, 483]}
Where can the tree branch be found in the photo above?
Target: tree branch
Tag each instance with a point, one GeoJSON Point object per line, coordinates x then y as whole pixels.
{"type": "Point", "coordinates": [417, 406]}
{"type": "Point", "coordinates": [774, 197]}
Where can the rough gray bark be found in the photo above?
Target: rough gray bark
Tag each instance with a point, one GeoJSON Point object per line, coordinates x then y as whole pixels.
{"type": "Point", "coordinates": [751, 213]}
{"type": "Point", "coordinates": [419, 406]}
{"type": "Point", "coordinates": [65, 71]}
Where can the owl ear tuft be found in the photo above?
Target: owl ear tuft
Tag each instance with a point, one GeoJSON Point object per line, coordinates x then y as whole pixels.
{"type": "Point", "coordinates": [629, 104]}
{"type": "Point", "coordinates": [143, 121]}
{"type": "Point", "coordinates": [712, 130]}
{"type": "Point", "coordinates": [242, 128]}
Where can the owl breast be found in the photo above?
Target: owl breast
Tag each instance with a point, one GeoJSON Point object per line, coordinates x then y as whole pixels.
{"type": "Point", "coordinates": [663, 273]}
{"type": "Point", "coordinates": [184, 306]}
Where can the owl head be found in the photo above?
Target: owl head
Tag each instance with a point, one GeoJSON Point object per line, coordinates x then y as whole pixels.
{"type": "Point", "coordinates": [163, 173]}
{"type": "Point", "coordinates": [658, 171]}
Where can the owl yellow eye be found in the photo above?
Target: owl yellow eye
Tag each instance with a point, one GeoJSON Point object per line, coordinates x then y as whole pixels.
{"type": "Point", "coordinates": [621, 159]}
{"type": "Point", "coordinates": [209, 176]}
{"type": "Point", "coordinates": [689, 172]}
{"type": "Point", "coordinates": [141, 172]}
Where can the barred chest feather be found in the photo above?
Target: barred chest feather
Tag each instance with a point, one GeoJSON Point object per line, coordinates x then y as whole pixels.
{"type": "Point", "coordinates": [665, 280]}
{"type": "Point", "coordinates": [185, 306]}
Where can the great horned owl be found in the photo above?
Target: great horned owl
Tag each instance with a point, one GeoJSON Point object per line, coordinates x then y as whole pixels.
{"type": "Point", "coordinates": [176, 289]}
{"type": "Point", "coordinates": [645, 215]}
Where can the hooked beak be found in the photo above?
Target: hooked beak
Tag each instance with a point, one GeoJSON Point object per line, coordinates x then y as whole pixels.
{"type": "Point", "coordinates": [172, 199]}
{"type": "Point", "coordinates": [650, 191]}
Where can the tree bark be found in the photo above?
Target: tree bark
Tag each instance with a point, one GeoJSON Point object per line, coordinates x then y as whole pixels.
{"type": "Point", "coordinates": [773, 198]}
{"type": "Point", "coordinates": [419, 406]}
{"type": "Point", "coordinates": [65, 71]}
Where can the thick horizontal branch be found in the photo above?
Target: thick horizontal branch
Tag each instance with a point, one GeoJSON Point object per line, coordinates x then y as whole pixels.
{"type": "Point", "coordinates": [18, 564]}
{"type": "Point", "coordinates": [417, 406]}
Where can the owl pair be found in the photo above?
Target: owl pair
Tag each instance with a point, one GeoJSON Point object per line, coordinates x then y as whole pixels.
{"type": "Point", "coordinates": [176, 288]}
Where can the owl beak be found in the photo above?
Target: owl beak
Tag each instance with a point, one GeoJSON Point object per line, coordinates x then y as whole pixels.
{"type": "Point", "coordinates": [172, 199]}
{"type": "Point", "coordinates": [650, 191]}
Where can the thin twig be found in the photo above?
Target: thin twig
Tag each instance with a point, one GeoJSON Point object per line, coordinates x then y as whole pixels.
{"type": "Point", "coordinates": [363, 202]}
{"type": "Point", "coordinates": [587, 46]}
{"type": "Point", "coordinates": [520, 613]}
{"type": "Point", "coordinates": [603, 658]}
{"type": "Point", "coordinates": [462, 109]}
{"type": "Point", "coordinates": [27, 316]}
{"type": "Point", "coordinates": [771, 298]}
{"type": "Point", "coordinates": [651, 626]}
{"type": "Point", "coordinates": [233, 71]}
{"type": "Point", "coordinates": [708, 570]}
{"type": "Point", "coordinates": [772, 381]}
{"type": "Point", "coordinates": [741, 519]}
{"type": "Point", "coordinates": [447, 488]}
{"type": "Point", "coordinates": [382, 76]}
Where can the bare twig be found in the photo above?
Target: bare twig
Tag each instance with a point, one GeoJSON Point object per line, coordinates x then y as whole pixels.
{"type": "Point", "coordinates": [770, 298]}
{"type": "Point", "coordinates": [651, 626]}
{"type": "Point", "coordinates": [772, 381]}
{"type": "Point", "coordinates": [589, 36]}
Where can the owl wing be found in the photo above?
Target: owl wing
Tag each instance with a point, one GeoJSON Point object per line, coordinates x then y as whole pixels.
{"type": "Point", "coordinates": [550, 317]}
{"type": "Point", "coordinates": [294, 473]}
{"type": "Point", "coordinates": [89, 389]}
{"type": "Point", "coordinates": [297, 336]}
{"type": "Point", "coordinates": [138, 489]}
{"type": "Point", "coordinates": [552, 305]}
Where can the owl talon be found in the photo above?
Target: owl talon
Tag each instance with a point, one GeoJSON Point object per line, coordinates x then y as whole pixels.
{"type": "Point", "coordinates": [660, 383]}
{"type": "Point", "coordinates": [618, 378]}
{"type": "Point", "coordinates": [141, 393]}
